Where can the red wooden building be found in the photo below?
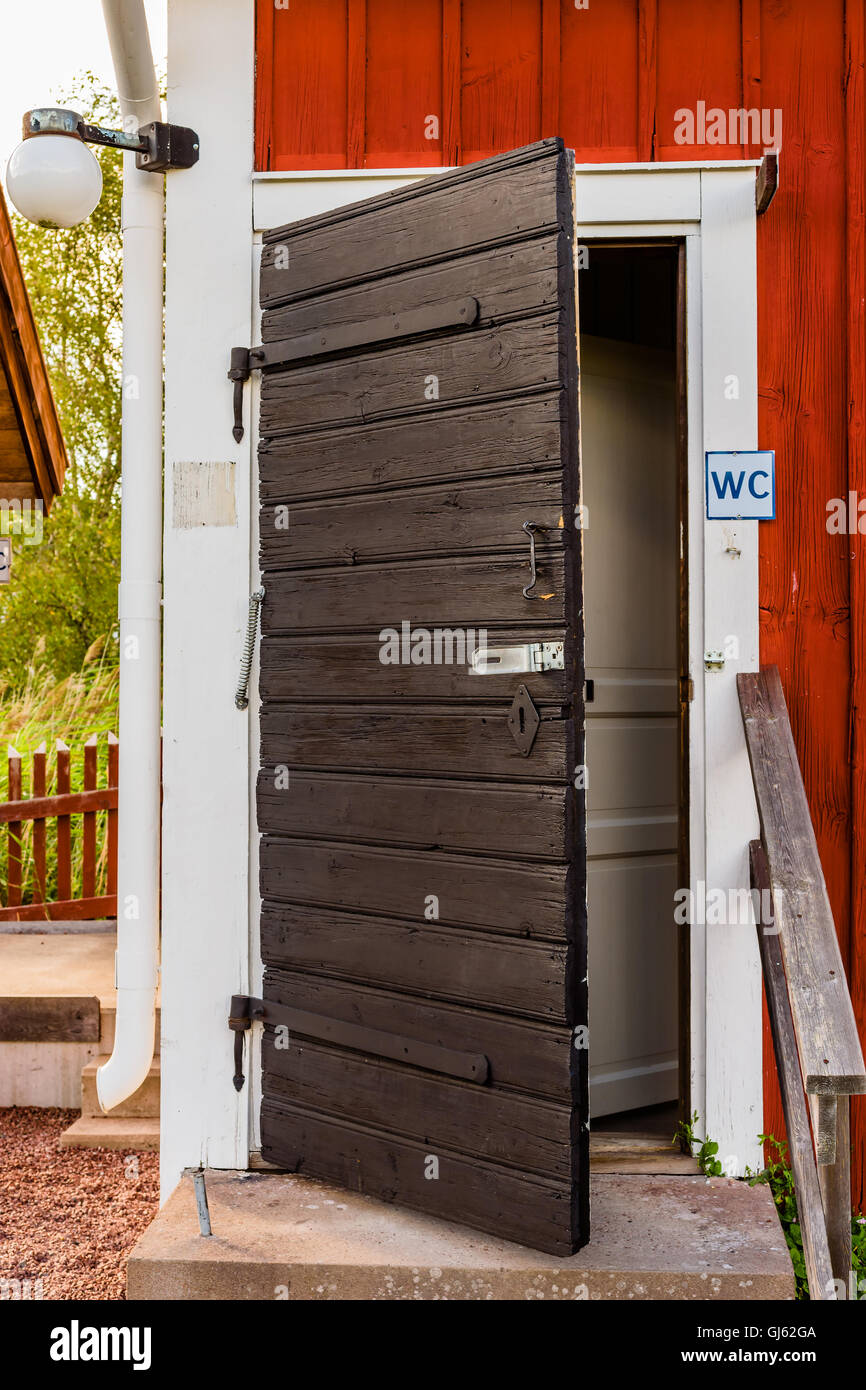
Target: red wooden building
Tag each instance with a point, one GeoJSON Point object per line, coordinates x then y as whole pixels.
{"type": "Point", "coordinates": [354, 84]}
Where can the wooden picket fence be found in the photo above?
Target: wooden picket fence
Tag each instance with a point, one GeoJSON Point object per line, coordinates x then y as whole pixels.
{"type": "Point", "coordinates": [28, 866]}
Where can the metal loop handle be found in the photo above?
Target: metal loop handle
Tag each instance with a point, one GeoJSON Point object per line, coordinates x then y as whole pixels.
{"type": "Point", "coordinates": [530, 527]}
{"type": "Point", "coordinates": [241, 700]}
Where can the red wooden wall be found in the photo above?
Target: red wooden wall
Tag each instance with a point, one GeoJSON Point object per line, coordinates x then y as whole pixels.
{"type": "Point", "coordinates": [354, 83]}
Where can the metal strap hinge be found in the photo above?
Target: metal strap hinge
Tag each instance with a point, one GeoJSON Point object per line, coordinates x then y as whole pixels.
{"type": "Point", "coordinates": [451, 313]}
{"type": "Point", "coordinates": [469, 1066]}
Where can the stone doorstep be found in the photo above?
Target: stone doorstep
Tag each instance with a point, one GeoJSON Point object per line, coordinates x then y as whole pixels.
{"type": "Point", "coordinates": [144, 1104]}
{"type": "Point", "coordinates": [107, 1132]}
{"type": "Point", "coordinates": [280, 1235]}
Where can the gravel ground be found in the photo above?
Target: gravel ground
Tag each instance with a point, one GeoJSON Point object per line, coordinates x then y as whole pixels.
{"type": "Point", "coordinates": [69, 1217]}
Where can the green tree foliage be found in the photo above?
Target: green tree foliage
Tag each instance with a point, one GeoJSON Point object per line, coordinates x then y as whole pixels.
{"type": "Point", "coordinates": [63, 593]}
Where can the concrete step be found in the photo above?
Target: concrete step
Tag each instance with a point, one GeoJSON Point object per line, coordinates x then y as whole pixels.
{"type": "Point", "coordinates": [108, 1018]}
{"type": "Point", "coordinates": [105, 1132]}
{"type": "Point", "coordinates": [280, 1235]}
{"type": "Point", "coordinates": [143, 1105]}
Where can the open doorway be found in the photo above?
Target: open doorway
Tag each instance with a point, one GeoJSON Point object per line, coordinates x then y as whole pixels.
{"type": "Point", "coordinates": [632, 437]}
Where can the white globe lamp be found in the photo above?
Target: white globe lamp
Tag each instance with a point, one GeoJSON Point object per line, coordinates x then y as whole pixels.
{"type": "Point", "coordinates": [52, 177]}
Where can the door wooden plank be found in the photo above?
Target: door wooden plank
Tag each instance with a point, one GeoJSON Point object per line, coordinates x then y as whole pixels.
{"type": "Point", "coordinates": [461, 367]}
{"type": "Point", "coordinates": [475, 441]}
{"type": "Point", "coordinates": [518, 1206]}
{"type": "Point", "coordinates": [469, 593]}
{"type": "Point", "coordinates": [410, 739]}
{"type": "Point", "coordinates": [472, 892]}
{"type": "Point", "coordinates": [529, 1057]}
{"type": "Point", "coordinates": [328, 669]}
{"type": "Point", "coordinates": [415, 225]}
{"type": "Point", "coordinates": [511, 280]}
{"type": "Point", "coordinates": [515, 976]}
{"type": "Point", "coordinates": [500, 1126]}
{"type": "Point", "coordinates": [468, 519]}
{"type": "Point", "coordinates": [417, 812]}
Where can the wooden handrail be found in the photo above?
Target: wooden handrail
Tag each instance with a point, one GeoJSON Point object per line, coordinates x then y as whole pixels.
{"type": "Point", "coordinates": [810, 1206]}
{"type": "Point", "coordinates": [831, 1057]}
{"type": "Point", "coordinates": [815, 1038]}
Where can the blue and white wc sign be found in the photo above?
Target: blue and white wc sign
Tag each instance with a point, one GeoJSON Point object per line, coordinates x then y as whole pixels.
{"type": "Point", "coordinates": [741, 486]}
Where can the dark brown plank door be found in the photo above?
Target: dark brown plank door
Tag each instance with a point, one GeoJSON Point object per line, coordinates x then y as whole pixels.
{"type": "Point", "coordinates": [422, 868]}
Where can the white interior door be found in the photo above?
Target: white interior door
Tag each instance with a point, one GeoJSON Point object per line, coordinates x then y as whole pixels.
{"type": "Point", "coordinates": [628, 423]}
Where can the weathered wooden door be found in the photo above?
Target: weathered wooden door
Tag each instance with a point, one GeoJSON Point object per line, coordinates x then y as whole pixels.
{"type": "Point", "coordinates": [423, 843]}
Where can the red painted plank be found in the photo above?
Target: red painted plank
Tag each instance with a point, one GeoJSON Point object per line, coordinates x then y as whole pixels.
{"type": "Point", "coordinates": [647, 79]}
{"type": "Point", "coordinates": [404, 109]}
{"type": "Point", "coordinates": [598, 93]}
{"type": "Point", "coordinates": [550, 68]}
{"type": "Point", "coordinates": [356, 84]}
{"type": "Point", "coordinates": [501, 76]}
{"type": "Point", "coordinates": [310, 96]}
{"type": "Point", "coordinates": [265, 12]}
{"type": "Point", "coordinates": [698, 61]}
{"type": "Point", "coordinates": [750, 62]}
{"type": "Point", "coordinates": [451, 94]}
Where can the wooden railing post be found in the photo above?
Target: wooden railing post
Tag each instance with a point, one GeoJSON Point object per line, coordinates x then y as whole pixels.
{"type": "Point", "coordinates": [819, 1055]}
{"type": "Point", "coordinates": [835, 1179]}
{"type": "Point", "coordinates": [816, 1252]}
{"type": "Point", "coordinates": [64, 827]}
{"type": "Point", "coordinates": [111, 828]}
{"type": "Point", "coordinates": [13, 840]}
{"type": "Point", "coordinates": [88, 827]}
{"type": "Point", "coordinates": [38, 788]}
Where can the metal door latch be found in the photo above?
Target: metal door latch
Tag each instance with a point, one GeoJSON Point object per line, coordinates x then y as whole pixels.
{"type": "Point", "coordinates": [506, 661]}
{"type": "Point", "coordinates": [714, 661]}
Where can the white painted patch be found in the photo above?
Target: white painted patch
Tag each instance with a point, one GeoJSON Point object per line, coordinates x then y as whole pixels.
{"type": "Point", "coordinates": [203, 495]}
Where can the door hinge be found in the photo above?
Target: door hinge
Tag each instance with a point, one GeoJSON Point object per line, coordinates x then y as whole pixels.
{"type": "Point", "coordinates": [687, 690]}
{"type": "Point", "coordinates": [468, 1066]}
{"type": "Point", "coordinates": [243, 1012]}
{"type": "Point", "coordinates": [451, 313]}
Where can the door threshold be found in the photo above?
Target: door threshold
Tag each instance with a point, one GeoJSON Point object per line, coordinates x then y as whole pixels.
{"type": "Point", "coordinates": [612, 1152]}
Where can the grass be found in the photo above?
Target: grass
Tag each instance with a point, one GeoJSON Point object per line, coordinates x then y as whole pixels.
{"type": "Point", "coordinates": [40, 712]}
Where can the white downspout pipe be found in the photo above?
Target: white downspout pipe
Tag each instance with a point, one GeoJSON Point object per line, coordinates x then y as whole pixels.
{"type": "Point", "coordinates": [139, 595]}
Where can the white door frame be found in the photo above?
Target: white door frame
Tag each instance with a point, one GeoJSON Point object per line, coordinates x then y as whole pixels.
{"type": "Point", "coordinates": [216, 213]}
{"type": "Point", "coordinates": [712, 207]}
